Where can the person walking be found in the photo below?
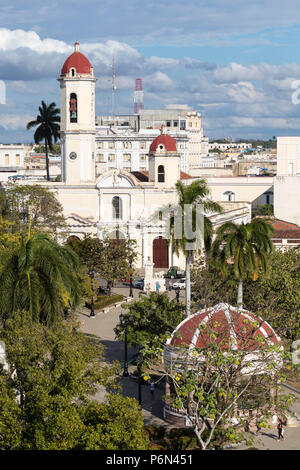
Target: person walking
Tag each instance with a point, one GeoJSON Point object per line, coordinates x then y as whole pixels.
{"type": "Point", "coordinates": [258, 425]}
{"type": "Point", "coordinates": [157, 287]}
{"type": "Point", "coordinates": [280, 430]}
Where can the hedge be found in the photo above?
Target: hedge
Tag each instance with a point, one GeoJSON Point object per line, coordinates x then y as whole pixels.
{"type": "Point", "coordinates": [105, 301]}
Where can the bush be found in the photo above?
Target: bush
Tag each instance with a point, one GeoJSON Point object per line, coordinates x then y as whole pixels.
{"type": "Point", "coordinates": [105, 300]}
{"type": "Point", "coordinates": [156, 432]}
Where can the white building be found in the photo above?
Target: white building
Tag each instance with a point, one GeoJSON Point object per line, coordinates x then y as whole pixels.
{"type": "Point", "coordinates": [287, 182]}
{"type": "Point", "coordinates": [122, 199]}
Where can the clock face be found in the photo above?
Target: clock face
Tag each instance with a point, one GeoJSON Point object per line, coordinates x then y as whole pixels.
{"type": "Point", "coordinates": [73, 156]}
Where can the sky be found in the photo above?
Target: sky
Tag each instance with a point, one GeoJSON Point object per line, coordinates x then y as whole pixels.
{"type": "Point", "coordinates": [236, 62]}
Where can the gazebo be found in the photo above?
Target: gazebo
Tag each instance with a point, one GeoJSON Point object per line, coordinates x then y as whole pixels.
{"type": "Point", "coordinates": [235, 329]}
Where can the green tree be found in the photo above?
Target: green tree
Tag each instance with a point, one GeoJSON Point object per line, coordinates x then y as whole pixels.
{"type": "Point", "coordinates": [39, 276]}
{"type": "Point", "coordinates": [150, 320]}
{"type": "Point", "coordinates": [47, 123]}
{"type": "Point", "coordinates": [276, 297]}
{"type": "Point", "coordinates": [55, 149]}
{"type": "Point", "coordinates": [32, 205]}
{"type": "Point", "coordinates": [244, 248]}
{"type": "Point", "coordinates": [111, 259]}
{"type": "Point", "coordinates": [45, 395]}
{"type": "Point", "coordinates": [116, 424]}
{"type": "Point", "coordinates": [191, 197]}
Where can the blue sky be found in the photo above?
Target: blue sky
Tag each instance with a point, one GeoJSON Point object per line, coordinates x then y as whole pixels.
{"type": "Point", "coordinates": [233, 61]}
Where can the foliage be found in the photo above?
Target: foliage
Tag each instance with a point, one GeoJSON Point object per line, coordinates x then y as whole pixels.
{"type": "Point", "coordinates": [32, 205]}
{"type": "Point", "coordinates": [274, 296]}
{"type": "Point", "coordinates": [47, 123]}
{"type": "Point", "coordinates": [109, 258]}
{"type": "Point", "coordinates": [150, 320]}
{"type": "Point", "coordinates": [277, 296]}
{"type": "Point", "coordinates": [9, 239]}
{"type": "Point", "coordinates": [172, 440]}
{"type": "Point", "coordinates": [55, 149]}
{"type": "Point", "coordinates": [263, 210]}
{"type": "Point", "coordinates": [195, 226]}
{"type": "Point", "coordinates": [115, 425]}
{"type": "Point", "coordinates": [242, 250]}
{"type": "Point", "coordinates": [209, 288]}
{"type": "Point", "coordinates": [39, 276]}
{"type": "Point", "coordinates": [105, 300]}
{"type": "Point", "coordinates": [44, 395]}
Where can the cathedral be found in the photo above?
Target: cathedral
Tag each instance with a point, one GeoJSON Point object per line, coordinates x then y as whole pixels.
{"type": "Point", "coordinates": [117, 203]}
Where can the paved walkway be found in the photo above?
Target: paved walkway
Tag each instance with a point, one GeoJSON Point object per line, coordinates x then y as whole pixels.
{"type": "Point", "coordinates": [102, 325]}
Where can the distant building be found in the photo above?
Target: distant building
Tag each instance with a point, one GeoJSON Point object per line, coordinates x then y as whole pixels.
{"type": "Point", "coordinates": [182, 123]}
{"type": "Point", "coordinates": [287, 182]}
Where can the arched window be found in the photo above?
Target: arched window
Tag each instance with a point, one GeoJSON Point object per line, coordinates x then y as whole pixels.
{"type": "Point", "coordinates": [228, 196]}
{"type": "Point", "coordinates": [73, 107]}
{"type": "Point", "coordinates": [117, 207]}
{"type": "Point", "coordinates": [73, 72]}
{"type": "Point", "coordinates": [161, 174]}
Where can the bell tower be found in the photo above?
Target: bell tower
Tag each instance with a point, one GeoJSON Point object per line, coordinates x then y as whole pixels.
{"type": "Point", "coordinates": [77, 127]}
{"type": "Point", "coordinates": [164, 161]}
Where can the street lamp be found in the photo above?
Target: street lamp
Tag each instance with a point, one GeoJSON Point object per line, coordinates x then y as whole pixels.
{"type": "Point", "coordinates": [125, 324]}
{"type": "Point", "coordinates": [139, 368]}
{"type": "Point", "coordinates": [130, 277]}
{"type": "Point", "coordinates": [92, 275]}
{"type": "Point", "coordinates": [177, 290]}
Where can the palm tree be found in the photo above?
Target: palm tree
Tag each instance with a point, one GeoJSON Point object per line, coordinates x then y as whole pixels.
{"type": "Point", "coordinates": [48, 128]}
{"type": "Point", "coordinates": [190, 196]}
{"type": "Point", "coordinates": [38, 276]}
{"type": "Point", "coordinates": [245, 247]}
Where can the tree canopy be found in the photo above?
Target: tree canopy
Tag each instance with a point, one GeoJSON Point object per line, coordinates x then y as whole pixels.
{"type": "Point", "coordinates": [45, 394]}
{"type": "Point", "coordinates": [31, 205]}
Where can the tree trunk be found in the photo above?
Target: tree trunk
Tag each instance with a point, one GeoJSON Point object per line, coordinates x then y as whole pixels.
{"type": "Point", "coordinates": [47, 160]}
{"type": "Point", "coordinates": [188, 284]}
{"type": "Point", "coordinates": [240, 294]}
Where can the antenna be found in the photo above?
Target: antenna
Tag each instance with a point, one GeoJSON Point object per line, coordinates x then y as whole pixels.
{"type": "Point", "coordinates": [113, 88]}
{"type": "Point", "coordinates": [138, 96]}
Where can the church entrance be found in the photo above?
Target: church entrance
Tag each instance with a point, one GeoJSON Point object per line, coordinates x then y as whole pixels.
{"type": "Point", "coordinates": [160, 253]}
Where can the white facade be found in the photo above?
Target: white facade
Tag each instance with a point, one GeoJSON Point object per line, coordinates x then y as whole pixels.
{"type": "Point", "coordinates": [125, 149]}
{"type": "Point", "coordinates": [12, 156]}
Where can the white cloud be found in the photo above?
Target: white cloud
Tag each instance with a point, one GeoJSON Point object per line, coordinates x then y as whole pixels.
{"type": "Point", "coordinates": [14, 121]}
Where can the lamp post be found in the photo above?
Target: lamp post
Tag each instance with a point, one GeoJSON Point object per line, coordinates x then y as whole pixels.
{"type": "Point", "coordinates": [92, 275]}
{"type": "Point", "coordinates": [130, 277]}
{"type": "Point", "coordinates": [139, 368]}
{"type": "Point", "coordinates": [122, 319]}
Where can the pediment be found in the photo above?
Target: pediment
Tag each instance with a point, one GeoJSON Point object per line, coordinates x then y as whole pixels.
{"type": "Point", "coordinates": [116, 179]}
{"type": "Point", "coordinates": [77, 220]}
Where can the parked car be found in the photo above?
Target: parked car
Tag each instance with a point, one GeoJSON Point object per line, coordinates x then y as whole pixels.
{"type": "Point", "coordinates": [174, 273]}
{"type": "Point", "coordinates": [139, 284]}
{"type": "Point", "coordinates": [179, 284]}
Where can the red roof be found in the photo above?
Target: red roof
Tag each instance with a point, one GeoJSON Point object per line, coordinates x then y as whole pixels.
{"type": "Point", "coordinates": [166, 140]}
{"type": "Point", "coordinates": [284, 229]}
{"type": "Point", "coordinates": [235, 328]}
{"type": "Point", "coordinates": [77, 61]}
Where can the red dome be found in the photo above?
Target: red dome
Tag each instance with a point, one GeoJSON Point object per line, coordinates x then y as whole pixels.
{"type": "Point", "coordinates": [235, 328]}
{"type": "Point", "coordinates": [166, 140]}
{"type": "Point", "coordinates": [77, 61]}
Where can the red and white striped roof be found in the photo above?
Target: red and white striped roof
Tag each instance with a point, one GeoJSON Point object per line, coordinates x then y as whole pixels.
{"type": "Point", "coordinates": [235, 328]}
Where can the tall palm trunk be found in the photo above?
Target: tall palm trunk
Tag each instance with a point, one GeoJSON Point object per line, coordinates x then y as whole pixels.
{"type": "Point", "coordinates": [188, 283]}
{"type": "Point", "coordinates": [47, 160]}
{"type": "Point", "coordinates": [240, 294]}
